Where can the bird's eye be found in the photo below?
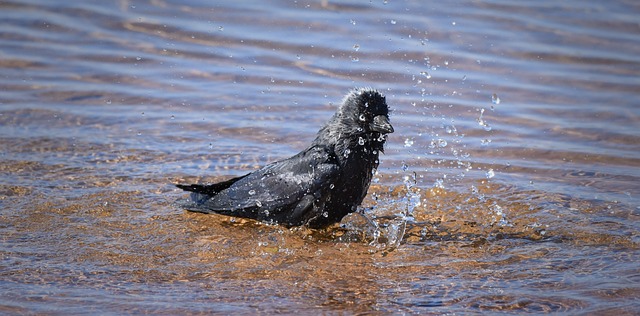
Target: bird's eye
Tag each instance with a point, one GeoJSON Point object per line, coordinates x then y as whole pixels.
{"type": "Point", "coordinates": [362, 117]}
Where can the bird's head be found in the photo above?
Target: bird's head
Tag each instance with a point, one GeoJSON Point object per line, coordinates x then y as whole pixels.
{"type": "Point", "coordinates": [362, 121]}
{"type": "Point", "coordinates": [365, 111]}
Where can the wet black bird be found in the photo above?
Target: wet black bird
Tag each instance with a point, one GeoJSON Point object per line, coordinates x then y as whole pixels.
{"type": "Point", "coordinates": [318, 186]}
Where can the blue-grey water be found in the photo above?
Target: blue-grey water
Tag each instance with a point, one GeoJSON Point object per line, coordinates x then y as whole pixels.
{"type": "Point", "coordinates": [511, 184]}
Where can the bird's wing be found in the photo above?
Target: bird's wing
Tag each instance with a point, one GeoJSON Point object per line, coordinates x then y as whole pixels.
{"type": "Point", "coordinates": [290, 185]}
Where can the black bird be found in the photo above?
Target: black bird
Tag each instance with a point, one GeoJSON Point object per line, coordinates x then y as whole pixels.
{"type": "Point", "coordinates": [318, 186]}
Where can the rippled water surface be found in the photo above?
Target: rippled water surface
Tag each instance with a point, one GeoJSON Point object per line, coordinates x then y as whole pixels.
{"type": "Point", "coordinates": [511, 183]}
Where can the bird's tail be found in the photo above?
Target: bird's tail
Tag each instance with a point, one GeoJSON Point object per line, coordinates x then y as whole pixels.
{"type": "Point", "coordinates": [198, 188]}
{"type": "Point", "coordinates": [200, 193]}
{"type": "Point", "coordinates": [209, 189]}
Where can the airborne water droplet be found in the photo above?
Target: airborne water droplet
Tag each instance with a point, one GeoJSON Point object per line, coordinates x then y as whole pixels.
{"type": "Point", "coordinates": [438, 143]}
{"type": "Point", "coordinates": [346, 153]}
{"type": "Point", "coordinates": [450, 129]}
{"type": "Point", "coordinates": [360, 141]}
{"type": "Point", "coordinates": [408, 142]}
{"type": "Point", "coordinates": [490, 174]}
{"type": "Point", "coordinates": [482, 122]}
{"type": "Point", "coordinates": [495, 99]}
{"type": "Point", "coordinates": [258, 203]}
{"type": "Point", "coordinates": [252, 192]}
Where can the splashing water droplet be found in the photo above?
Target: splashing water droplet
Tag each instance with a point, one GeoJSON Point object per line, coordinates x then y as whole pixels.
{"type": "Point", "coordinates": [495, 99]}
{"type": "Point", "coordinates": [490, 174]}
{"type": "Point", "coordinates": [450, 129]}
{"type": "Point", "coordinates": [425, 74]}
{"type": "Point", "coordinates": [360, 141]}
{"type": "Point", "coordinates": [356, 47]}
{"type": "Point", "coordinates": [259, 204]}
{"type": "Point", "coordinates": [252, 192]}
{"type": "Point", "coordinates": [482, 122]}
{"type": "Point", "coordinates": [408, 142]}
{"type": "Point", "coordinates": [362, 118]}
{"type": "Point", "coordinates": [393, 22]}
{"type": "Point", "coordinates": [346, 153]}
{"type": "Point", "coordinates": [438, 143]}
{"type": "Point", "coordinates": [331, 186]}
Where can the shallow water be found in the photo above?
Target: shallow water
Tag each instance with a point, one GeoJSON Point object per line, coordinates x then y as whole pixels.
{"type": "Point", "coordinates": [510, 185]}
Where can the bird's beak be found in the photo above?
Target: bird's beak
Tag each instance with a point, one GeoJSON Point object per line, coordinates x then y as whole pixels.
{"type": "Point", "coordinates": [381, 124]}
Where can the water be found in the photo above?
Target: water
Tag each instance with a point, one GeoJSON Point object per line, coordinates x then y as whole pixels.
{"type": "Point", "coordinates": [510, 185]}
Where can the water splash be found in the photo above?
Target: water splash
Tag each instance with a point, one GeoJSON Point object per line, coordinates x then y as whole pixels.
{"type": "Point", "coordinates": [482, 122]}
{"type": "Point", "coordinates": [438, 143]}
{"type": "Point", "coordinates": [495, 99]}
{"type": "Point", "coordinates": [408, 142]}
{"type": "Point", "coordinates": [425, 74]}
{"type": "Point", "coordinates": [490, 174]}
